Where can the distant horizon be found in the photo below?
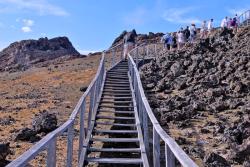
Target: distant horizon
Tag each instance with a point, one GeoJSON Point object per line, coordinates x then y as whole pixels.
{"type": "Point", "coordinates": [93, 25]}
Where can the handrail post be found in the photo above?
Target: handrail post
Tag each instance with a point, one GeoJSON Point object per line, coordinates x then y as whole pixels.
{"type": "Point", "coordinates": [91, 103]}
{"type": "Point", "coordinates": [70, 144]}
{"type": "Point", "coordinates": [113, 57]}
{"type": "Point", "coordinates": [169, 156]}
{"type": "Point", "coordinates": [156, 148]}
{"type": "Point", "coordinates": [51, 153]}
{"type": "Point", "coordinates": [82, 130]}
{"type": "Point", "coordinates": [145, 130]}
{"type": "Point", "coordinates": [137, 57]}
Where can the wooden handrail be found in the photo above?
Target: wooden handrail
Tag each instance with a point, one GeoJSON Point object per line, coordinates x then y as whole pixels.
{"type": "Point", "coordinates": [49, 141]}
{"type": "Point", "coordinates": [171, 146]}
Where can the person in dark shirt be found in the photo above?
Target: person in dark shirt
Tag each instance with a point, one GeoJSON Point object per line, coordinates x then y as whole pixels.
{"type": "Point", "coordinates": [187, 33]}
{"type": "Point", "coordinates": [129, 42]}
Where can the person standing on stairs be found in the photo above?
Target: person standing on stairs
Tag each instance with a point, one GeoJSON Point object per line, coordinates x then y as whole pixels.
{"type": "Point", "coordinates": [129, 42]}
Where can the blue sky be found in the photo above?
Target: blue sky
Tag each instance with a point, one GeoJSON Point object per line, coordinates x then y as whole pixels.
{"type": "Point", "coordinates": [92, 25]}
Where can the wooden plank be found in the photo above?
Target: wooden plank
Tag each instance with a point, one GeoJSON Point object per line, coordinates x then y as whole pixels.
{"type": "Point", "coordinates": [170, 159]}
{"type": "Point", "coordinates": [117, 112]}
{"type": "Point", "coordinates": [116, 131]}
{"type": "Point", "coordinates": [117, 94]}
{"type": "Point", "coordinates": [114, 106]}
{"type": "Point", "coordinates": [119, 91]}
{"type": "Point", "coordinates": [82, 130]}
{"type": "Point", "coordinates": [116, 140]}
{"type": "Point", "coordinates": [131, 150]}
{"type": "Point", "coordinates": [70, 145]}
{"type": "Point", "coordinates": [115, 160]}
{"type": "Point", "coordinates": [156, 148]}
{"type": "Point", "coordinates": [113, 101]}
{"type": "Point", "coordinates": [117, 98]}
{"type": "Point", "coordinates": [51, 153]}
{"type": "Point", "coordinates": [110, 117]}
{"type": "Point", "coordinates": [115, 124]}
{"type": "Point", "coordinates": [115, 88]}
{"type": "Point", "coordinates": [181, 156]}
{"type": "Point", "coordinates": [138, 126]}
{"type": "Point", "coordinates": [117, 85]}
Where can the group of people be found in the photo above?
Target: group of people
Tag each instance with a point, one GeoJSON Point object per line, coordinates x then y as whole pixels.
{"type": "Point", "coordinates": [189, 34]}
{"type": "Point", "coordinates": [180, 38]}
{"type": "Point", "coordinates": [230, 23]}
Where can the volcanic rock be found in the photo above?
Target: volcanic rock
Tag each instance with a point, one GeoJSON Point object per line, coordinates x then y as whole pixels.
{"type": "Point", "coordinates": [26, 134]}
{"type": "Point", "coordinates": [4, 152]}
{"type": "Point", "coordinates": [23, 54]}
{"type": "Point", "coordinates": [215, 160]}
{"type": "Point", "coordinates": [44, 122]}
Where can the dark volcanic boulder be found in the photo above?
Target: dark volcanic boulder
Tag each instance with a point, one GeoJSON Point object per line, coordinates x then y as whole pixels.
{"type": "Point", "coordinates": [241, 153]}
{"type": "Point", "coordinates": [4, 152]}
{"type": "Point", "coordinates": [26, 134]}
{"type": "Point", "coordinates": [215, 160]}
{"type": "Point", "coordinates": [44, 122]}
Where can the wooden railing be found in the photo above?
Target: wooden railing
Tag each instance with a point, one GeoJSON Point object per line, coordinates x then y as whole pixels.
{"type": "Point", "coordinates": [154, 134]}
{"type": "Point", "coordinates": [49, 142]}
{"type": "Point", "coordinates": [244, 18]}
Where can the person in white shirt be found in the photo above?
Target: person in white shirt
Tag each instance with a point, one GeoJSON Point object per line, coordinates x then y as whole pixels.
{"type": "Point", "coordinates": [203, 32]}
{"type": "Point", "coordinates": [210, 26]}
{"type": "Point", "coordinates": [223, 24]}
{"type": "Point", "coordinates": [180, 39]}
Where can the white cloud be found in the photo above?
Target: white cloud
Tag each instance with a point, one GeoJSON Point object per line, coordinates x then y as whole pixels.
{"type": "Point", "coordinates": [28, 22]}
{"type": "Point", "coordinates": [42, 7]}
{"type": "Point", "coordinates": [177, 15]}
{"type": "Point", "coordinates": [26, 29]}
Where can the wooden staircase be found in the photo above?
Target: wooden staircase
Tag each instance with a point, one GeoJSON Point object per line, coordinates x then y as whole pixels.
{"type": "Point", "coordinates": [116, 138]}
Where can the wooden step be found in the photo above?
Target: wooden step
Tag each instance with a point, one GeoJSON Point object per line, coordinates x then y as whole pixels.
{"type": "Point", "coordinates": [116, 94]}
{"type": "Point", "coordinates": [114, 124]}
{"type": "Point", "coordinates": [117, 85]}
{"type": "Point", "coordinates": [116, 131]}
{"type": "Point", "coordinates": [116, 140]}
{"type": "Point", "coordinates": [115, 106]}
{"type": "Point", "coordinates": [120, 98]}
{"type": "Point", "coordinates": [116, 88]}
{"type": "Point", "coordinates": [120, 70]}
{"type": "Point", "coordinates": [110, 117]}
{"type": "Point", "coordinates": [112, 101]}
{"type": "Point", "coordinates": [115, 160]}
{"type": "Point", "coordinates": [117, 112]}
{"type": "Point", "coordinates": [105, 90]}
{"type": "Point", "coordinates": [116, 82]}
{"type": "Point", "coordinates": [132, 150]}
{"type": "Point", "coordinates": [117, 74]}
{"type": "Point", "coordinates": [117, 77]}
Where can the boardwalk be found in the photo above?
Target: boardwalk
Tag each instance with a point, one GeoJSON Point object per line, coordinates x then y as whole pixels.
{"type": "Point", "coordinates": [117, 128]}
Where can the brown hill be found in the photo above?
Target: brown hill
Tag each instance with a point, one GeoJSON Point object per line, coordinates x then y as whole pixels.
{"type": "Point", "coordinates": [23, 54]}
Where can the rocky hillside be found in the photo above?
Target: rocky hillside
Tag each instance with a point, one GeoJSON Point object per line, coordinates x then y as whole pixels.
{"type": "Point", "coordinates": [201, 95]}
{"type": "Point", "coordinates": [23, 54]}
{"type": "Point", "coordinates": [141, 38]}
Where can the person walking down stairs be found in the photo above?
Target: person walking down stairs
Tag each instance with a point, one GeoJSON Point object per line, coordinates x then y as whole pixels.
{"type": "Point", "coordinates": [129, 42]}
